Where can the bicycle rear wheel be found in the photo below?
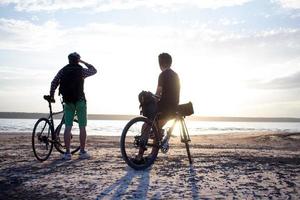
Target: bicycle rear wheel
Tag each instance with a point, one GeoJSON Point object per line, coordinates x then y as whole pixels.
{"type": "Point", "coordinates": [139, 134]}
{"type": "Point", "coordinates": [41, 139]}
{"type": "Point", "coordinates": [60, 142]}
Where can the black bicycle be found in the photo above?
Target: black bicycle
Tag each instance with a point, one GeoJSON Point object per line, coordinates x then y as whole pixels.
{"type": "Point", "coordinates": [143, 133]}
{"type": "Point", "coordinates": [45, 135]}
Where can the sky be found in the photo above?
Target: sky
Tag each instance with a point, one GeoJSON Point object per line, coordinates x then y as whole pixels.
{"type": "Point", "coordinates": [236, 58]}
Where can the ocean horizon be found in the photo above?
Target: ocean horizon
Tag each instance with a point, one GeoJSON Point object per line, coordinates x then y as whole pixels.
{"type": "Point", "coordinates": [115, 127]}
{"type": "Point", "coordinates": [27, 115]}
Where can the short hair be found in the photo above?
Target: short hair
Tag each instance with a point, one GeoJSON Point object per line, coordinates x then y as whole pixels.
{"type": "Point", "coordinates": [73, 58]}
{"type": "Point", "coordinates": [165, 59]}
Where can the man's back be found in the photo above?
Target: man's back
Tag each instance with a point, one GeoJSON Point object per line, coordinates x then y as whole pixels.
{"type": "Point", "coordinates": [71, 83]}
{"type": "Point", "coordinates": [169, 81]}
{"type": "Point", "coordinates": [85, 73]}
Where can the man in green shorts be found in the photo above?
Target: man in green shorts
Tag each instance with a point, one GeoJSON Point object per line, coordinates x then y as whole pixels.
{"type": "Point", "coordinates": [71, 85]}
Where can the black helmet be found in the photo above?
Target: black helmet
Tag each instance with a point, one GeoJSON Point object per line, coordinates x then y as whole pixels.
{"type": "Point", "coordinates": [73, 57]}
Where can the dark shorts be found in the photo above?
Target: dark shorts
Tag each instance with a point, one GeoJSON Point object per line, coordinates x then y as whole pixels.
{"type": "Point", "coordinates": [150, 111]}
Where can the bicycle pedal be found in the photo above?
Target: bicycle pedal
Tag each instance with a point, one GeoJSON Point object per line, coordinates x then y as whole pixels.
{"type": "Point", "coordinates": [165, 147]}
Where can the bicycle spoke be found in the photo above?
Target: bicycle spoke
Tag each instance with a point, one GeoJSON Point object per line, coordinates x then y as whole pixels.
{"type": "Point", "coordinates": [41, 139]}
{"type": "Point", "coordinates": [59, 143]}
{"type": "Point", "coordinates": [138, 143]}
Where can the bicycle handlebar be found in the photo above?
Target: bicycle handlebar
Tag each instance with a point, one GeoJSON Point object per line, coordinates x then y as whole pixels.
{"type": "Point", "coordinates": [49, 99]}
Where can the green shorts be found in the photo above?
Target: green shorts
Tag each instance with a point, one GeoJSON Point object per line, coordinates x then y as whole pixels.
{"type": "Point", "coordinates": [80, 108]}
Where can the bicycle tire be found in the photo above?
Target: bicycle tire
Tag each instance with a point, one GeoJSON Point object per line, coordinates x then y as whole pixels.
{"type": "Point", "coordinates": [59, 144]}
{"type": "Point", "coordinates": [42, 139]}
{"type": "Point", "coordinates": [126, 140]}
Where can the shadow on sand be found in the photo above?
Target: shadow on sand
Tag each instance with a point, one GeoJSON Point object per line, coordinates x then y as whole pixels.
{"type": "Point", "coordinates": [119, 189]}
{"type": "Point", "coordinates": [193, 181]}
{"type": "Point", "coordinates": [12, 178]}
{"type": "Point", "coordinates": [135, 185]}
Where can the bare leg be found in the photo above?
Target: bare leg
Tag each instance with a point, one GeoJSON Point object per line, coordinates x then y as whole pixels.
{"type": "Point", "coordinates": [82, 138]}
{"type": "Point", "coordinates": [67, 138]}
{"type": "Point", "coordinates": [144, 136]}
{"type": "Point", "coordinates": [161, 123]}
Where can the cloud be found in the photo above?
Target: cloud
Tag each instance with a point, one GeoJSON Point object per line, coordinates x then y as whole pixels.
{"type": "Point", "coordinates": [100, 5]}
{"type": "Point", "coordinates": [24, 35]}
{"type": "Point", "coordinates": [168, 5]}
{"type": "Point", "coordinates": [290, 4]}
{"type": "Point", "coordinates": [49, 5]}
{"type": "Point", "coordinates": [227, 22]}
{"type": "Point", "coordinates": [282, 83]}
{"type": "Point", "coordinates": [20, 78]}
{"type": "Point", "coordinates": [27, 36]}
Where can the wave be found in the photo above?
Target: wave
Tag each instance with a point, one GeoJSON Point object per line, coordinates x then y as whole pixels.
{"type": "Point", "coordinates": [115, 127]}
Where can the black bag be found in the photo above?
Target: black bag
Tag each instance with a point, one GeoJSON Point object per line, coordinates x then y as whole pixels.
{"type": "Point", "coordinates": [185, 109]}
{"type": "Point", "coordinates": [71, 83]}
{"type": "Point", "coordinates": [148, 105]}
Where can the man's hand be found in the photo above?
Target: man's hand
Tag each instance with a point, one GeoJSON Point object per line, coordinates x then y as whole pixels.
{"type": "Point", "coordinates": [83, 62]}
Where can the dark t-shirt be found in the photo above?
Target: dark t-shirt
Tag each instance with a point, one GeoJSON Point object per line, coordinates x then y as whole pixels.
{"type": "Point", "coordinates": [169, 81]}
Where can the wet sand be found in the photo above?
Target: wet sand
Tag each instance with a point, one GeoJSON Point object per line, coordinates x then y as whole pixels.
{"type": "Point", "coordinates": [232, 166]}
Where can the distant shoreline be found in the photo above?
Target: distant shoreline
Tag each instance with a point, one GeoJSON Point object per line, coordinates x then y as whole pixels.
{"type": "Point", "coordinates": [25, 115]}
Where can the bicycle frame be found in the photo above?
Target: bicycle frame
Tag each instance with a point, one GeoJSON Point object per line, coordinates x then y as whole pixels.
{"type": "Point", "coordinates": [184, 135]}
{"type": "Point", "coordinates": [53, 136]}
{"type": "Point", "coordinates": [135, 157]}
{"type": "Point", "coordinates": [50, 118]}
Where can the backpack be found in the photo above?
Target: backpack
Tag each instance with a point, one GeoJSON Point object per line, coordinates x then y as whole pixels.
{"type": "Point", "coordinates": [148, 105]}
{"type": "Point", "coordinates": [71, 83]}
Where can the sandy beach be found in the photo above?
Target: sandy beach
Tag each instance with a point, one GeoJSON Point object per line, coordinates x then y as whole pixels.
{"type": "Point", "coordinates": [230, 166]}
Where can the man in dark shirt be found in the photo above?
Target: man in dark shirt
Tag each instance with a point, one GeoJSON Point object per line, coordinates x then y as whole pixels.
{"type": "Point", "coordinates": [168, 91]}
{"type": "Point", "coordinates": [78, 105]}
{"type": "Point", "coordinates": [168, 88]}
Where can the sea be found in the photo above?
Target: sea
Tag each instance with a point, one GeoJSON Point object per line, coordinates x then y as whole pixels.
{"type": "Point", "coordinates": [115, 127]}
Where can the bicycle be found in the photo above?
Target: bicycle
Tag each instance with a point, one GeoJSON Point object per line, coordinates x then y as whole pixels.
{"type": "Point", "coordinates": [45, 135]}
{"type": "Point", "coordinates": [141, 132]}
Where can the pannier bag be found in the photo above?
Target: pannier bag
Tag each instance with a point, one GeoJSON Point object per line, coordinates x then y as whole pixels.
{"type": "Point", "coordinates": [185, 109]}
{"type": "Point", "coordinates": [148, 104]}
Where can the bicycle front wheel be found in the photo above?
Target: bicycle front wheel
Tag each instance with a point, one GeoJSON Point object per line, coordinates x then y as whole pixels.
{"type": "Point", "coordinates": [139, 139]}
{"type": "Point", "coordinates": [41, 139]}
{"type": "Point", "coordinates": [60, 142]}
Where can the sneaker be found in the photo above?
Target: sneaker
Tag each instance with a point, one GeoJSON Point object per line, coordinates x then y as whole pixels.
{"type": "Point", "coordinates": [66, 156]}
{"type": "Point", "coordinates": [84, 155]}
